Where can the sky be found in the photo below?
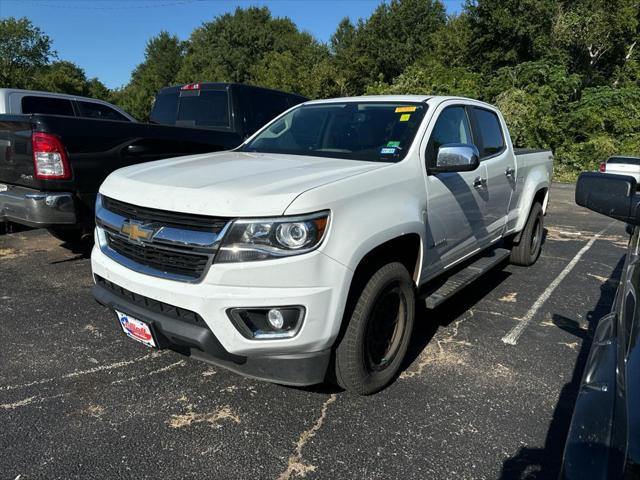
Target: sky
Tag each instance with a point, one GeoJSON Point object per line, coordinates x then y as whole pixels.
{"type": "Point", "coordinates": [107, 37]}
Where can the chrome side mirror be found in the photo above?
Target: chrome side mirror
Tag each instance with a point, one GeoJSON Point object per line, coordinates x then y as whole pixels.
{"type": "Point", "coordinates": [456, 157]}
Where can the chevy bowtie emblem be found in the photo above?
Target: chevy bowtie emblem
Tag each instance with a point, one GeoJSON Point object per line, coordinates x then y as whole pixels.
{"type": "Point", "coordinates": [136, 231]}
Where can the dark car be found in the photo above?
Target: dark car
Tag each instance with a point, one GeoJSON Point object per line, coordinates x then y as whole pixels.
{"type": "Point", "coordinates": [604, 437]}
{"type": "Point", "coordinates": [231, 107]}
{"type": "Point", "coordinates": [52, 161]}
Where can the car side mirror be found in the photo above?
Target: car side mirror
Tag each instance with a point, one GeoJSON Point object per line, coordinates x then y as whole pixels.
{"type": "Point", "coordinates": [456, 157]}
{"type": "Point", "coordinates": [609, 194]}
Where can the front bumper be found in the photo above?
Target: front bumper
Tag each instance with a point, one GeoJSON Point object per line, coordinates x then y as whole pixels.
{"type": "Point", "coordinates": [35, 208]}
{"type": "Point", "coordinates": [314, 281]}
{"type": "Point", "coordinates": [200, 342]}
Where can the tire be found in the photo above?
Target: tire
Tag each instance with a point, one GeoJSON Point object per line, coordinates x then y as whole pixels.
{"type": "Point", "coordinates": [363, 364]}
{"type": "Point", "coordinates": [528, 249]}
{"type": "Point", "coordinates": [71, 236]}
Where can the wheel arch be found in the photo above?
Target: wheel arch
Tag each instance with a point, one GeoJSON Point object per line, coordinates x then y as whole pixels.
{"type": "Point", "coordinates": [541, 196]}
{"type": "Point", "coordinates": [405, 248]}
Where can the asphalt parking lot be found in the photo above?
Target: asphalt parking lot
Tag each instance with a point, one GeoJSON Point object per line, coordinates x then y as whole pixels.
{"type": "Point", "coordinates": [487, 390]}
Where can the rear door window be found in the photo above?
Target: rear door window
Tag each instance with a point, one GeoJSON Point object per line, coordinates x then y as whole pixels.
{"type": "Point", "coordinates": [99, 111]}
{"type": "Point", "coordinates": [165, 109]}
{"type": "Point", "coordinates": [491, 137]}
{"type": "Point", "coordinates": [47, 105]}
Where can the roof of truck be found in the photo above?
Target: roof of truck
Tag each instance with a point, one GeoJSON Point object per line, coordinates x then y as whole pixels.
{"type": "Point", "coordinates": [220, 86]}
{"type": "Point", "coordinates": [6, 91]}
{"type": "Point", "coordinates": [396, 99]}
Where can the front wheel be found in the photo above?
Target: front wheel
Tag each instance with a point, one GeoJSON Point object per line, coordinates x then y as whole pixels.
{"type": "Point", "coordinates": [527, 251]}
{"type": "Point", "coordinates": [377, 335]}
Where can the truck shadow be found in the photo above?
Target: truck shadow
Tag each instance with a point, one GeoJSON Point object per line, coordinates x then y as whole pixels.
{"type": "Point", "coordinates": [544, 463]}
{"type": "Point", "coordinates": [428, 322]}
{"type": "Point", "coordinates": [81, 251]}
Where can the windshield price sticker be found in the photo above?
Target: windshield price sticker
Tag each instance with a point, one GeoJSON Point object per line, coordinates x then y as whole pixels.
{"type": "Point", "coordinates": [405, 117]}
{"type": "Point", "coordinates": [408, 108]}
{"type": "Point", "coordinates": [387, 150]}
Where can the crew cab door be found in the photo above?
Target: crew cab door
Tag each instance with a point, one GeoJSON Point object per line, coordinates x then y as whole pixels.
{"type": "Point", "coordinates": [456, 202]}
{"type": "Point", "coordinates": [499, 162]}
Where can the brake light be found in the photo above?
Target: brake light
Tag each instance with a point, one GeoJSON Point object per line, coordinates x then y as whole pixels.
{"type": "Point", "coordinates": [191, 86]}
{"type": "Point", "coordinates": [603, 167]}
{"type": "Point", "coordinates": [49, 158]}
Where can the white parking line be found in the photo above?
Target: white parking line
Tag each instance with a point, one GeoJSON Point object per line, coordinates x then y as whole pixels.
{"type": "Point", "coordinates": [512, 337]}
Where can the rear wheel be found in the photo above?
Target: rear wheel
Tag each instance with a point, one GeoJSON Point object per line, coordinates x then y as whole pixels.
{"type": "Point", "coordinates": [527, 251]}
{"type": "Point", "coordinates": [377, 335]}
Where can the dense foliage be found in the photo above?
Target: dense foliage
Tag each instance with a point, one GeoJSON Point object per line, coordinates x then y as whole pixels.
{"type": "Point", "coordinates": [565, 73]}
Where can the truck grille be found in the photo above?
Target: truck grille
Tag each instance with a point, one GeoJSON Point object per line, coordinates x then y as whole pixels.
{"type": "Point", "coordinates": [185, 263]}
{"type": "Point", "coordinates": [173, 245]}
{"type": "Point", "coordinates": [169, 219]}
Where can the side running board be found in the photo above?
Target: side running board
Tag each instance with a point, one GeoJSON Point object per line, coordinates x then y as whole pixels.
{"type": "Point", "coordinates": [435, 294]}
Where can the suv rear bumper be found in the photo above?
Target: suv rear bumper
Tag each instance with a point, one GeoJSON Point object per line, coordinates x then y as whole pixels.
{"type": "Point", "coordinates": [35, 208]}
{"type": "Point", "coordinates": [199, 342]}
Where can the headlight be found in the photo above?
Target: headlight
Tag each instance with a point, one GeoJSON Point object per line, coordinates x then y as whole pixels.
{"type": "Point", "coordinates": [266, 238]}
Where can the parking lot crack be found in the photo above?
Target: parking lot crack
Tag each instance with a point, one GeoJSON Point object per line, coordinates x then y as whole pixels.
{"type": "Point", "coordinates": [295, 465]}
{"type": "Point", "coordinates": [444, 355]}
{"type": "Point", "coordinates": [212, 418]}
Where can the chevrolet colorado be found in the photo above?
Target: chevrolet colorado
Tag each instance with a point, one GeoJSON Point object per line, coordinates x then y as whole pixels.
{"type": "Point", "coordinates": [299, 256]}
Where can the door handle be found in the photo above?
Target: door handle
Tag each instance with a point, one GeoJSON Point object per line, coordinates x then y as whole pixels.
{"type": "Point", "coordinates": [479, 182]}
{"type": "Point", "coordinates": [509, 172]}
{"type": "Point", "coordinates": [137, 149]}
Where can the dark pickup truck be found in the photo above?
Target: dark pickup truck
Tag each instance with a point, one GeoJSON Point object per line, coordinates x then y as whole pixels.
{"type": "Point", "coordinates": [52, 165]}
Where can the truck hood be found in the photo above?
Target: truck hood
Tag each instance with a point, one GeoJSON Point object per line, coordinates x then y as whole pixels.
{"type": "Point", "coordinates": [228, 184]}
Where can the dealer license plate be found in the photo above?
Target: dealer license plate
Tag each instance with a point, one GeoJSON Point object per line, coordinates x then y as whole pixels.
{"type": "Point", "coordinates": [136, 329]}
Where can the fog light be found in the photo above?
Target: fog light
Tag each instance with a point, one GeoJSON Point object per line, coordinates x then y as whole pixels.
{"type": "Point", "coordinates": [276, 320]}
{"type": "Point", "coordinates": [268, 322]}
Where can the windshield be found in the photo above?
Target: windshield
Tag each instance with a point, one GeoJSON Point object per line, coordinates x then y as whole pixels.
{"type": "Point", "coordinates": [371, 131]}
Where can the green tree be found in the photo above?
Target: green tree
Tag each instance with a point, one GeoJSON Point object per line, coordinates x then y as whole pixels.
{"type": "Point", "coordinates": [533, 96]}
{"type": "Point", "coordinates": [162, 61]}
{"type": "Point", "coordinates": [603, 122]}
{"type": "Point", "coordinates": [597, 35]}
{"type": "Point", "coordinates": [508, 32]}
{"type": "Point", "coordinates": [24, 49]}
{"type": "Point", "coordinates": [350, 67]}
{"type": "Point", "coordinates": [451, 42]}
{"type": "Point", "coordinates": [97, 89]}
{"type": "Point", "coordinates": [229, 47]}
{"type": "Point", "coordinates": [398, 34]}
{"type": "Point", "coordinates": [432, 78]}
{"type": "Point", "coordinates": [63, 77]}
{"type": "Point", "coordinates": [306, 71]}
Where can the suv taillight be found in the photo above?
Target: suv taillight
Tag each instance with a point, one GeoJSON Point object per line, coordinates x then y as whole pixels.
{"type": "Point", "coordinates": [49, 158]}
{"type": "Point", "coordinates": [603, 167]}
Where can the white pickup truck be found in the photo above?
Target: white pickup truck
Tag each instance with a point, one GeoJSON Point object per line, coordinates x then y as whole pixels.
{"type": "Point", "coordinates": [299, 256]}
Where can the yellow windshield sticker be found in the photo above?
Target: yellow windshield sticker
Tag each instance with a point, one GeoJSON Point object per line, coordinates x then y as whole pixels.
{"type": "Point", "coordinates": [405, 109]}
{"type": "Point", "coordinates": [405, 117]}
